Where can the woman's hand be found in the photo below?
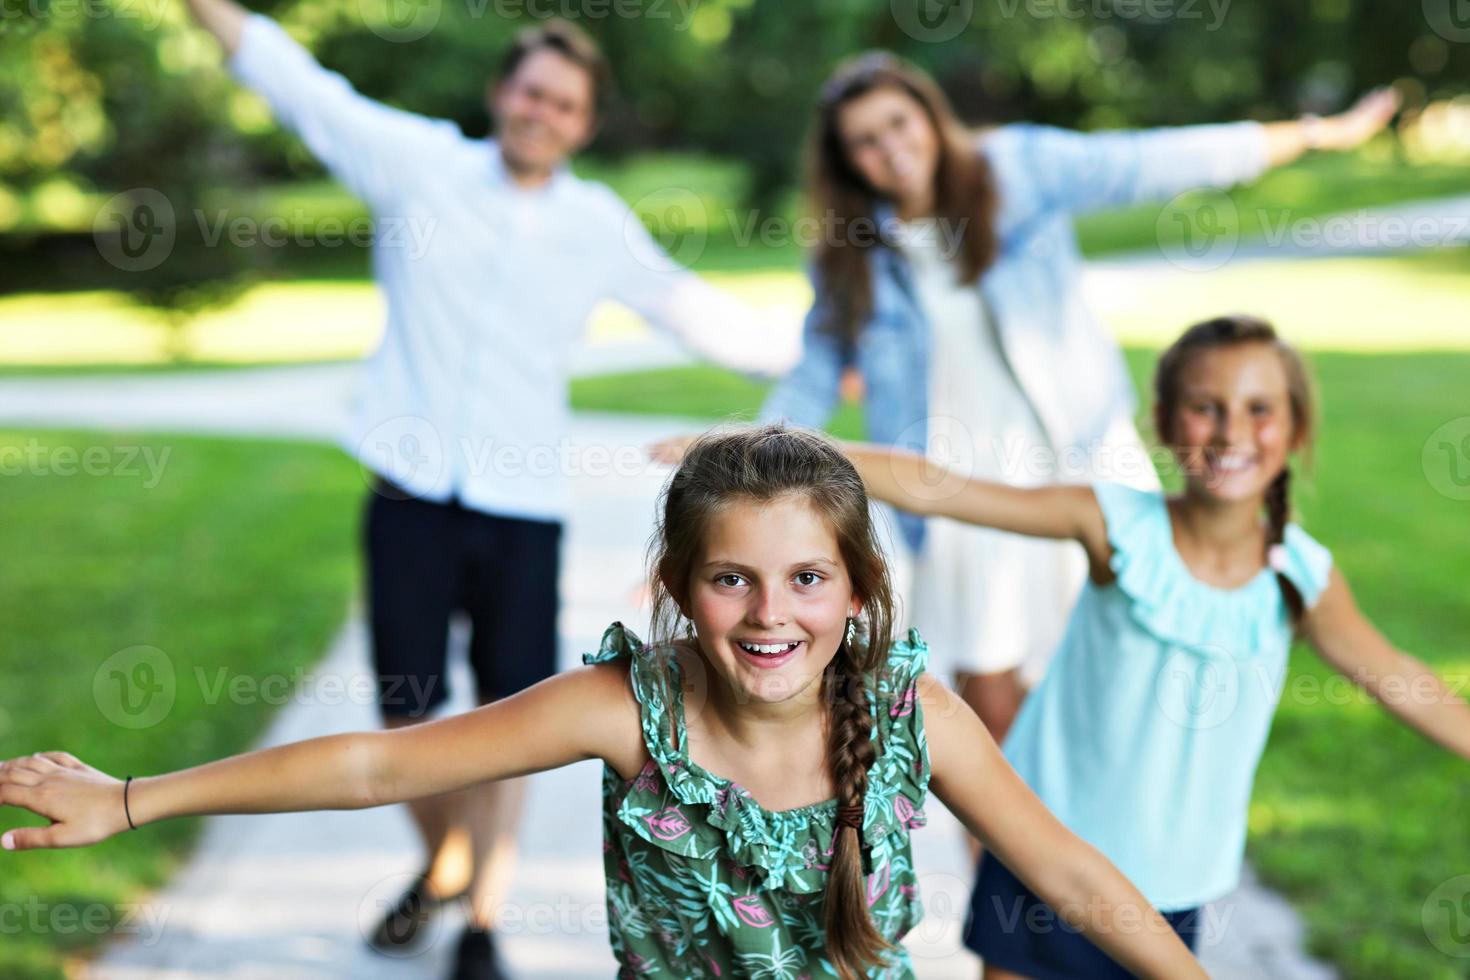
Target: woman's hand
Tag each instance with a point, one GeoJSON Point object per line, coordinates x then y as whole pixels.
{"type": "Point", "coordinates": [83, 804]}
{"type": "Point", "coordinates": [1285, 141]}
{"type": "Point", "coordinates": [1357, 125]}
{"type": "Point", "coordinates": [670, 450]}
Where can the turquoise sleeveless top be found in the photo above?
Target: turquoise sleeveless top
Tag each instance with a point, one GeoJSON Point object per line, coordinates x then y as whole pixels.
{"type": "Point", "coordinates": [1144, 734]}
{"type": "Point", "coordinates": [704, 882]}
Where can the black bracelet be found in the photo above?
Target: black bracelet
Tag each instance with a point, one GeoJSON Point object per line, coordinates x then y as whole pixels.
{"type": "Point", "coordinates": [128, 812]}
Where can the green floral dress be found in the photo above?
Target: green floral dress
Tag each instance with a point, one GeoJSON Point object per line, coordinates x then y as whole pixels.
{"type": "Point", "coordinates": [704, 882]}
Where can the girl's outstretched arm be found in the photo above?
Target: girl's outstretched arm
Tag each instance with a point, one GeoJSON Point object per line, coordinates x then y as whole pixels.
{"type": "Point", "coordinates": [973, 779]}
{"type": "Point", "coordinates": [581, 714]}
{"type": "Point", "coordinates": [1404, 686]}
{"type": "Point", "coordinates": [916, 484]}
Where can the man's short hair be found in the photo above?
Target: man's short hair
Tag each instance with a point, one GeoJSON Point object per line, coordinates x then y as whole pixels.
{"type": "Point", "coordinates": [567, 40]}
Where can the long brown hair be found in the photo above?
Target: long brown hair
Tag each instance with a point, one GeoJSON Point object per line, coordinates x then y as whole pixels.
{"type": "Point", "coordinates": [1229, 331]}
{"type": "Point", "coordinates": [965, 192]}
{"type": "Point", "coordinates": [765, 463]}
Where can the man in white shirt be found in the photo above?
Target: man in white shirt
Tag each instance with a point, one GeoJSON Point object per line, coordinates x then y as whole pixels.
{"type": "Point", "coordinates": [490, 255]}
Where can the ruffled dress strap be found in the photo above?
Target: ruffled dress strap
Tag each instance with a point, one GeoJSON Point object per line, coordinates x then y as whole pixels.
{"type": "Point", "coordinates": [677, 805]}
{"type": "Point", "coordinates": [655, 685]}
{"type": "Point", "coordinates": [1308, 563]}
{"type": "Point", "coordinates": [1169, 602]}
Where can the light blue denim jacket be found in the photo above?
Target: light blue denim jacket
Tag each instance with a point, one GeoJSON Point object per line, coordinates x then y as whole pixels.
{"type": "Point", "coordinates": [1065, 360]}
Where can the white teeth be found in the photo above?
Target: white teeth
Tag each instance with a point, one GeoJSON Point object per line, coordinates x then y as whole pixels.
{"type": "Point", "coordinates": [768, 648]}
{"type": "Point", "coordinates": [1232, 463]}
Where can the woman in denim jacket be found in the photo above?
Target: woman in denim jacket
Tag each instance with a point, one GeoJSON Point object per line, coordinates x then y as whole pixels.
{"type": "Point", "coordinates": [948, 277]}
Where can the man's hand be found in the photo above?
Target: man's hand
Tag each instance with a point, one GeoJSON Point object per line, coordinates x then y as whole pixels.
{"type": "Point", "coordinates": [225, 19]}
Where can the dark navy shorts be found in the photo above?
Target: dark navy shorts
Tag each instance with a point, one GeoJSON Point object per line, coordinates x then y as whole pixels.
{"type": "Point", "coordinates": [426, 560]}
{"type": "Point", "coordinates": [1009, 927]}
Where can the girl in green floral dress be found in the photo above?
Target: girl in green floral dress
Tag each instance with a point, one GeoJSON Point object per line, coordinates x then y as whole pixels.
{"type": "Point", "coordinates": [765, 762]}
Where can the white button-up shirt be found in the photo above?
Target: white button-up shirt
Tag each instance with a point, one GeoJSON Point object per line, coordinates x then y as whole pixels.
{"type": "Point", "coordinates": [488, 287]}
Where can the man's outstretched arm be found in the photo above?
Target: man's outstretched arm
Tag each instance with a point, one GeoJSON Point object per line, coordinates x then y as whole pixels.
{"type": "Point", "coordinates": [377, 151]}
{"type": "Point", "coordinates": [225, 19]}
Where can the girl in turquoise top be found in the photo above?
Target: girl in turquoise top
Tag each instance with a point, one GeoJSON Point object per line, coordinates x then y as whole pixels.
{"type": "Point", "coordinates": [1144, 734]}
{"type": "Point", "coordinates": [765, 762]}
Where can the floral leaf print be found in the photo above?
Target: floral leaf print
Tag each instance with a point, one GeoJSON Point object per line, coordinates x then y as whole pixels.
{"type": "Point", "coordinates": [683, 905]}
{"type": "Point", "coordinates": [812, 854]}
{"type": "Point", "coordinates": [907, 815]}
{"type": "Point", "coordinates": [668, 824]}
{"type": "Point", "coordinates": [629, 916]}
{"type": "Point", "coordinates": [752, 912]}
{"type": "Point", "coordinates": [649, 780]}
{"type": "Point", "coordinates": [637, 966]}
{"type": "Point", "coordinates": [779, 964]}
{"type": "Point", "coordinates": [905, 704]}
{"type": "Point", "coordinates": [878, 884]}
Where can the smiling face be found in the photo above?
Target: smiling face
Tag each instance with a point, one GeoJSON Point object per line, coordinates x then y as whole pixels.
{"type": "Point", "coordinates": [1232, 427]}
{"type": "Point", "coordinates": [890, 141]}
{"type": "Point", "coordinates": [544, 112]}
{"type": "Point", "coordinates": [769, 597]}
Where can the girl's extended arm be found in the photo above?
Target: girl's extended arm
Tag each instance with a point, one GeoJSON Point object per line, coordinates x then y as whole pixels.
{"type": "Point", "coordinates": [581, 714]}
{"type": "Point", "coordinates": [972, 778]}
{"type": "Point", "coordinates": [1403, 685]}
{"type": "Point", "coordinates": [916, 484]}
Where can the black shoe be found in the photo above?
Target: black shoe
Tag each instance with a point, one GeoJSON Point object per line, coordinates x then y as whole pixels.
{"type": "Point", "coordinates": [475, 959]}
{"type": "Point", "coordinates": [404, 923]}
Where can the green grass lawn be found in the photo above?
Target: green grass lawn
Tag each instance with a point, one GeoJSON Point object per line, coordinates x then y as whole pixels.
{"type": "Point", "coordinates": [222, 554]}
{"type": "Point", "coordinates": [1355, 818]}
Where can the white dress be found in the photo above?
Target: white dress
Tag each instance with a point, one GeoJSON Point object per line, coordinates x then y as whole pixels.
{"type": "Point", "coordinates": [985, 600]}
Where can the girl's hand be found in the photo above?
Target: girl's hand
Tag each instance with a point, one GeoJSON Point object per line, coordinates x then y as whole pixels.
{"type": "Point", "coordinates": [1364, 120]}
{"type": "Point", "coordinates": [670, 450]}
{"type": "Point", "coordinates": [83, 804]}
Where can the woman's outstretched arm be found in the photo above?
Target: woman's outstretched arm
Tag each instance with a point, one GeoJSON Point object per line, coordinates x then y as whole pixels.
{"type": "Point", "coordinates": [1081, 172]}
{"type": "Point", "coordinates": [973, 779]}
{"type": "Point", "coordinates": [1287, 140]}
{"type": "Point", "coordinates": [1403, 685]}
{"type": "Point", "coordinates": [582, 714]}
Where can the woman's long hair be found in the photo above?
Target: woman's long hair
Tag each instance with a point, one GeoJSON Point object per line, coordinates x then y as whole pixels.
{"type": "Point", "coordinates": [759, 465]}
{"type": "Point", "coordinates": [965, 193]}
